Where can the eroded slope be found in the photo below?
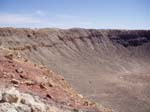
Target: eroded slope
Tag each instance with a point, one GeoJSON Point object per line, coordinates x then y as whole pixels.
{"type": "Point", "coordinates": [105, 65]}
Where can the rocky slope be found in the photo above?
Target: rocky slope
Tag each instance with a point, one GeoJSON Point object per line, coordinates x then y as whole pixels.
{"type": "Point", "coordinates": [28, 87]}
{"type": "Point", "coordinates": [105, 65]}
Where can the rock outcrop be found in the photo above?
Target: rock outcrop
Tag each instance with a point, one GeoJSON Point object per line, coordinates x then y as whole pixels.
{"type": "Point", "coordinates": [14, 101]}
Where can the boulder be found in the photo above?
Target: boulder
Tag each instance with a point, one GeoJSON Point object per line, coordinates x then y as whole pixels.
{"type": "Point", "coordinates": [10, 95]}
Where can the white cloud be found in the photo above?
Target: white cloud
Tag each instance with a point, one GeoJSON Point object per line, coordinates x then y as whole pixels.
{"type": "Point", "coordinates": [40, 12]}
{"type": "Point", "coordinates": [6, 18]}
{"type": "Point", "coordinates": [37, 19]}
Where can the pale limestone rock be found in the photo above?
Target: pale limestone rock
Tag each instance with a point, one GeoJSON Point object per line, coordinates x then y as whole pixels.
{"type": "Point", "coordinates": [7, 107]}
{"type": "Point", "coordinates": [22, 108]}
{"type": "Point", "coordinates": [11, 100]}
{"type": "Point", "coordinates": [10, 95]}
{"type": "Point", "coordinates": [27, 99]}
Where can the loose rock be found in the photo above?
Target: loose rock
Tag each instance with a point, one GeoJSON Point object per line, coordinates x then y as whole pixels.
{"type": "Point", "coordinates": [19, 70]}
{"type": "Point", "coordinates": [9, 56]}
{"type": "Point", "coordinates": [14, 81]}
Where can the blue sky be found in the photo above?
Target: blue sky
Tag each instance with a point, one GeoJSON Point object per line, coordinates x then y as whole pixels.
{"type": "Point", "coordinates": [99, 14]}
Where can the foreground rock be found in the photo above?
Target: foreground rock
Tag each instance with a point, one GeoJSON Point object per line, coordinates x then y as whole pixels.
{"type": "Point", "coordinates": [11, 100]}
